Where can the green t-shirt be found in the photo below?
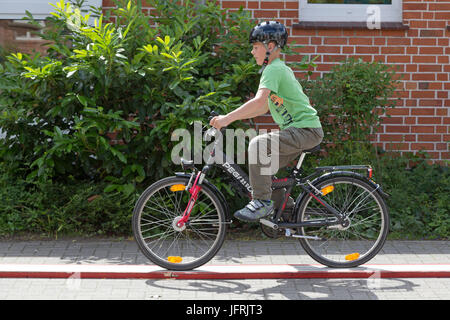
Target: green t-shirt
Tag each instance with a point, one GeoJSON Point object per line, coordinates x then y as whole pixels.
{"type": "Point", "coordinates": [288, 105]}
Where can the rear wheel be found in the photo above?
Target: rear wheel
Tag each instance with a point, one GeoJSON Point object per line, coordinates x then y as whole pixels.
{"type": "Point", "coordinates": [168, 245]}
{"type": "Point", "coordinates": [364, 231]}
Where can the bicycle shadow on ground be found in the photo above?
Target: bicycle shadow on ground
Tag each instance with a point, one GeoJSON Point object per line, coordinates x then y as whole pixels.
{"type": "Point", "coordinates": [282, 289]}
{"type": "Point", "coordinates": [277, 251]}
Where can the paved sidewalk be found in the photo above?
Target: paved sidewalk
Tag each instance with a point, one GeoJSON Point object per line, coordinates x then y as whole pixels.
{"type": "Point", "coordinates": [234, 253]}
{"type": "Point", "coordinates": [123, 252]}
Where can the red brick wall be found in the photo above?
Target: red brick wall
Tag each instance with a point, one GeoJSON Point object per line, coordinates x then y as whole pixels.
{"type": "Point", "coordinates": [421, 120]}
{"type": "Point", "coordinates": [18, 37]}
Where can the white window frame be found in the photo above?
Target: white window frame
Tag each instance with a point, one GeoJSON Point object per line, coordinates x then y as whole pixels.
{"type": "Point", "coordinates": [40, 9]}
{"type": "Point", "coordinates": [327, 12]}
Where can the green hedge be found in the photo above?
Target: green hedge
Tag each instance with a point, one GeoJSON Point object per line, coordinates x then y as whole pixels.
{"type": "Point", "coordinates": [418, 204]}
{"type": "Point", "coordinates": [419, 200]}
{"type": "Point", "coordinates": [81, 208]}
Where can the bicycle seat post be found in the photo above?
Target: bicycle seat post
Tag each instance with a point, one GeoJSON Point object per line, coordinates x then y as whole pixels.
{"type": "Point", "coordinates": [304, 153]}
{"type": "Point", "coordinates": [300, 161]}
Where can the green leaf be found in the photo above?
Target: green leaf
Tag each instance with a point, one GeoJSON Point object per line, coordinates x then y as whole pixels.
{"type": "Point", "coordinates": [119, 155]}
{"type": "Point", "coordinates": [128, 189]}
{"type": "Point", "coordinates": [188, 63]}
{"type": "Point", "coordinates": [110, 188]}
{"type": "Point", "coordinates": [83, 100]}
{"type": "Point", "coordinates": [71, 73]}
{"type": "Point", "coordinates": [168, 68]}
{"type": "Point", "coordinates": [174, 84]}
{"type": "Point", "coordinates": [167, 55]}
{"type": "Point", "coordinates": [160, 40]}
{"type": "Point", "coordinates": [121, 56]}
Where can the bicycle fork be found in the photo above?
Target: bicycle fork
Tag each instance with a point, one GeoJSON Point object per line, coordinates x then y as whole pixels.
{"type": "Point", "coordinates": [194, 191]}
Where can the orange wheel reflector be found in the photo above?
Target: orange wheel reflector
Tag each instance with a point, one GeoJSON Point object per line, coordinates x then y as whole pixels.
{"type": "Point", "coordinates": [177, 187]}
{"type": "Point", "coordinates": [327, 190]}
{"type": "Point", "coordinates": [175, 259]}
{"type": "Point", "coordinates": [352, 256]}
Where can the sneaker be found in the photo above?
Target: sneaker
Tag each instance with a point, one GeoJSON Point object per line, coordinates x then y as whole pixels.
{"type": "Point", "coordinates": [255, 210]}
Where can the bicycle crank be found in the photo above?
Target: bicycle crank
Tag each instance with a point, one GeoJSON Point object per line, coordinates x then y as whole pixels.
{"type": "Point", "coordinates": [269, 224]}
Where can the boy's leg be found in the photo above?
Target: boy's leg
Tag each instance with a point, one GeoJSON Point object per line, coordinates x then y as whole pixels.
{"type": "Point", "coordinates": [283, 147]}
{"type": "Point", "coordinates": [261, 169]}
{"type": "Point", "coordinates": [269, 152]}
{"type": "Point", "coordinates": [302, 138]}
{"type": "Point", "coordinates": [269, 155]}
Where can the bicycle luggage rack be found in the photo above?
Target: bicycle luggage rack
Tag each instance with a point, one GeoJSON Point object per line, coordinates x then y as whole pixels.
{"type": "Point", "coordinates": [349, 167]}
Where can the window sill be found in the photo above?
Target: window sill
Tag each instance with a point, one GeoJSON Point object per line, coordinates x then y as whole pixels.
{"type": "Point", "coordinates": [347, 25]}
{"type": "Point", "coordinates": [24, 25]}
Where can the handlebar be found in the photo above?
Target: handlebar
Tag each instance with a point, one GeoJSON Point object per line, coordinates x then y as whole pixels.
{"type": "Point", "coordinates": [213, 131]}
{"type": "Point", "coordinates": [212, 115]}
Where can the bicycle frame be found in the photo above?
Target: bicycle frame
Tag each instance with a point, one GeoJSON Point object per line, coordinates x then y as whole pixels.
{"type": "Point", "coordinates": [295, 178]}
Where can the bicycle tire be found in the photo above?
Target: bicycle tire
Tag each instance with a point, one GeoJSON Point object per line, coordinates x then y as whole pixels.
{"type": "Point", "coordinates": [152, 214]}
{"type": "Point", "coordinates": [368, 217]}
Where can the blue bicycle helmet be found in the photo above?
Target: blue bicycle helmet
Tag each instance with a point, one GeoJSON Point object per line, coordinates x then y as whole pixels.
{"type": "Point", "coordinates": [266, 32]}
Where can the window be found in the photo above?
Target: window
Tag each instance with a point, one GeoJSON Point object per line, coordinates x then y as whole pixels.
{"type": "Point", "coordinates": [370, 11]}
{"type": "Point", "coordinates": [40, 9]}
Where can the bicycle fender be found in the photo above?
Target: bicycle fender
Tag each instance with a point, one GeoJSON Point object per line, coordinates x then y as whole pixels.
{"type": "Point", "coordinates": [355, 175]}
{"type": "Point", "coordinates": [216, 191]}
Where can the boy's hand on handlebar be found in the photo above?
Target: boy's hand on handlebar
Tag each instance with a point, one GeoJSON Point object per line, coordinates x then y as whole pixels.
{"type": "Point", "coordinates": [219, 122]}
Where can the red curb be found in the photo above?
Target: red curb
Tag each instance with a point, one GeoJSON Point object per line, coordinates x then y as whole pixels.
{"type": "Point", "coordinates": [222, 272]}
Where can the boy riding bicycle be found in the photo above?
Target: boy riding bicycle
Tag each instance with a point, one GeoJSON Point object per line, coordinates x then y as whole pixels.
{"type": "Point", "coordinates": [280, 93]}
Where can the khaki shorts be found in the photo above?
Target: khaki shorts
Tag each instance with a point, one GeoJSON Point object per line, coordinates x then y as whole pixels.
{"type": "Point", "coordinates": [274, 150]}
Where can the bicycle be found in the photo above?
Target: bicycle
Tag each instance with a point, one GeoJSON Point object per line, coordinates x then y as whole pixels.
{"type": "Point", "coordinates": [340, 218]}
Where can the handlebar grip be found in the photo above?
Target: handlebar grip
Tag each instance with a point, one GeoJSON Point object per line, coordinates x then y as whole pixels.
{"type": "Point", "coordinates": [212, 115]}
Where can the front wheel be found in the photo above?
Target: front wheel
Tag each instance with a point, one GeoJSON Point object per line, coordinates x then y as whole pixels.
{"type": "Point", "coordinates": [160, 238]}
{"type": "Point", "coordinates": [366, 222]}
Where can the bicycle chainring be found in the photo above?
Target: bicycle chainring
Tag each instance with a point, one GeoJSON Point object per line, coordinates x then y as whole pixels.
{"type": "Point", "coordinates": [286, 216]}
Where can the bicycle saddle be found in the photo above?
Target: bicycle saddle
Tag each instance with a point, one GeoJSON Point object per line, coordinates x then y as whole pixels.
{"type": "Point", "coordinates": [312, 150]}
{"type": "Point", "coordinates": [187, 164]}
